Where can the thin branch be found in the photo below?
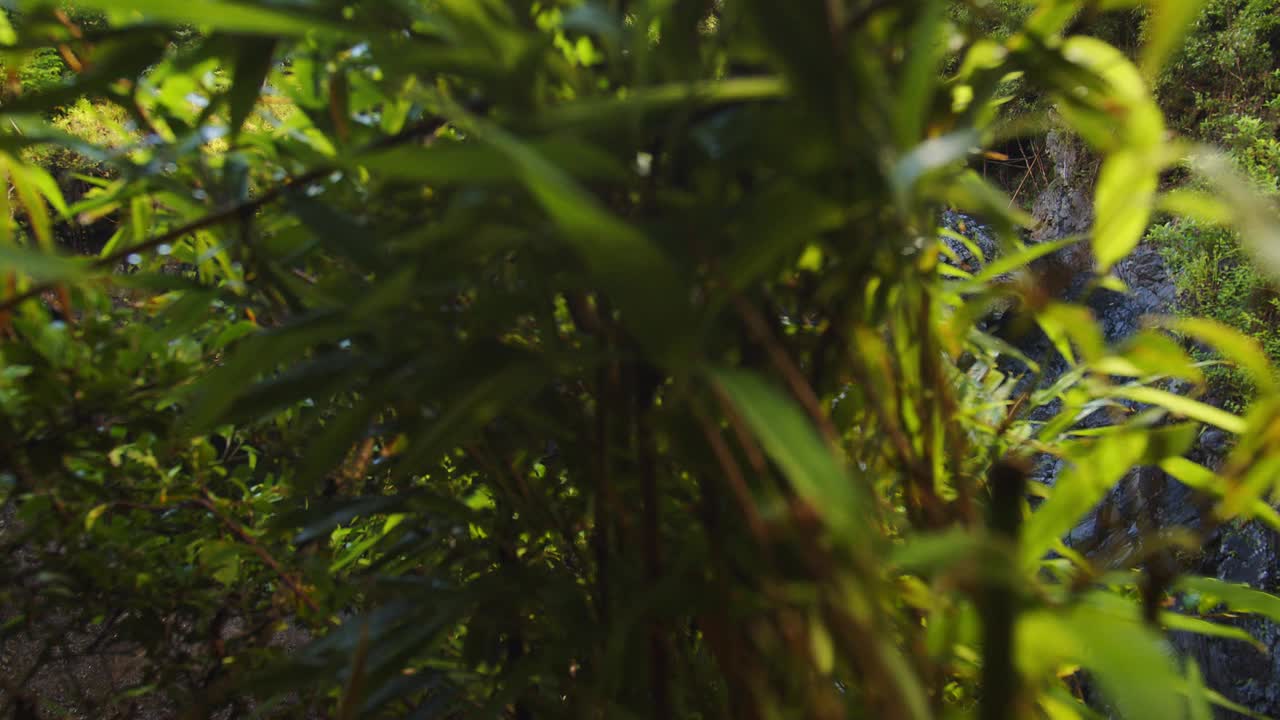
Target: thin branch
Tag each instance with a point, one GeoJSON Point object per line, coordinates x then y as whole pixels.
{"type": "Point", "coordinates": [733, 475]}
{"type": "Point", "coordinates": [758, 326]}
{"type": "Point", "coordinates": [239, 530]}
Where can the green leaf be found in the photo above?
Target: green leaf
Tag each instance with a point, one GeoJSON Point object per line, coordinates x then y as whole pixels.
{"type": "Point", "coordinates": [1094, 467]}
{"type": "Point", "coordinates": [921, 71]}
{"type": "Point", "coordinates": [774, 224]}
{"type": "Point", "coordinates": [1123, 200]}
{"type": "Point", "coordinates": [447, 162]}
{"type": "Point", "coordinates": [479, 401]}
{"type": "Point", "coordinates": [1182, 405]}
{"type": "Point", "coordinates": [1252, 214]}
{"type": "Point", "coordinates": [1132, 663]}
{"type": "Point", "coordinates": [798, 36]}
{"type": "Point", "coordinates": [43, 267]}
{"type": "Point", "coordinates": [1023, 257]}
{"type": "Point", "coordinates": [1200, 626]}
{"type": "Point", "coordinates": [637, 275]}
{"type": "Point", "coordinates": [931, 155]}
{"type": "Point", "coordinates": [314, 379]}
{"type": "Point", "coordinates": [339, 435]}
{"type": "Point", "coordinates": [1239, 598]}
{"type": "Point", "coordinates": [48, 187]}
{"type": "Point", "coordinates": [33, 202]}
{"type": "Point", "coordinates": [225, 15]}
{"type": "Point", "coordinates": [1201, 478]}
{"type": "Point", "coordinates": [1199, 707]}
{"type": "Point", "coordinates": [1200, 206]}
{"type": "Point", "coordinates": [790, 439]}
{"type": "Point", "coordinates": [928, 553]}
{"type": "Point", "coordinates": [1121, 117]}
{"type": "Point", "coordinates": [1091, 473]}
{"type": "Point", "coordinates": [1150, 354]}
{"type": "Point", "coordinates": [344, 235]}
{"type": "Point", "coordinates": [91, 517]}
{"type": "Point", "coordinates": [1242, 349]}
{"type": "Point", "coordinates": [250, 66]}
{"type": "Point", "coordinates": [216, 393]}
{"type": "Point", "coordinates": [7, 35]}
{"type": "Point", "coordinates": [611, 113]}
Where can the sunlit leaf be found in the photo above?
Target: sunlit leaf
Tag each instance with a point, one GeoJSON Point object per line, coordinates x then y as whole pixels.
{"type": "Point", "coordinates": [1124, 196]}
{"type": "Point", "coordinates": [1184, 406]}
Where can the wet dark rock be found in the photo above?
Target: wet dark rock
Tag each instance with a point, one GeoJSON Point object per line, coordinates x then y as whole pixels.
{"type": "Point", "coordinates": [976, 232]}
{"type": "Point", "coordinates": [1243, 553]}
{"type": "Point", "coordinates": [1215, 442]}
{"type": "Point", "coordinates": [1065, 206]}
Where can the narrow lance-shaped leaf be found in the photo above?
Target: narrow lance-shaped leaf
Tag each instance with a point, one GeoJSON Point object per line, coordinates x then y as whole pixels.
{"type": "Point", "coordinates": [1127, 124]}
{"type": "Point", "coordinates": [251, 64]}
{"type": "Point", "coordinates": [1199, 707]}
{"type": "Point", "coordinates": [921, 71]}
{"type": "Point", "coordinates": [227, 15]}
{"type": "Point", "coordinates": [795, 445]}
{"type": "Point", "coordinates": [7, 35]}
{"type": "Point", "coordinates": [1183, 405]}
{"type": "Point", "coordinates": [1237, 597]}
{"type": "Point", "coordinates": [42, 267]}
{"type": "Point", "coordinates": [1242, 349]}
{"type": "Point", "coordinates": [1093, 470]}
{"type": "Point", "coordinates": [34, 204]}
{"type": "Point", "coordinates": [1131, 661]}
{"type": "Point", "coordinates": [1124, 197]}
{"type": "Point", "coordinates": [1252, 215]}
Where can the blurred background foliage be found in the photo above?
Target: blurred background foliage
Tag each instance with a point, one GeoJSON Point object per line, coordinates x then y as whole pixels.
{"type": "Point", "coordinates": [555, 358]}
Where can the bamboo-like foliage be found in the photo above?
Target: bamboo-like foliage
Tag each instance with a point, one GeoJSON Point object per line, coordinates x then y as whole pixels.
{"type": "Point", "coordinates": [600, 359]}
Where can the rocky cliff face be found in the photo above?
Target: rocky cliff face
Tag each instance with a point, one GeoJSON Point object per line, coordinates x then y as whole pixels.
{"type": "Point", "coordinates": [1244, 553]}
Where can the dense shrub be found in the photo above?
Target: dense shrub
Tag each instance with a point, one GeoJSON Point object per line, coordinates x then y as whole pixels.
{"type": "Point", "coordinates": [1229, 66]}
{"type": "Point", "coordinates": [1214, 276]}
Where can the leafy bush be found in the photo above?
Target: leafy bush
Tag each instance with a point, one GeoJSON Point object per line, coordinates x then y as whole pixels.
{"type": "Point", "coordinates": [1215, 277]}
{"type": "Point", "coordinates": [41, 70]}
{"type": "Point", "coordinates": [1229, 66]}
{"type": "Point", "coordinates": [145, 551]}
{"type": "Point", "coordinates": [101, 125]}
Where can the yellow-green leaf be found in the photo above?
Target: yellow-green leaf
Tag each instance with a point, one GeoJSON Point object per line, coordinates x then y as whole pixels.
{"type": "Point", "coordinates": [1183, 405]}
{"type": "Point", "coordinates": [91, 518]}
{"type": "Point", "coordinates": [1245, 351]}
{"type": "Point", "coordinates": [1123, 198]}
